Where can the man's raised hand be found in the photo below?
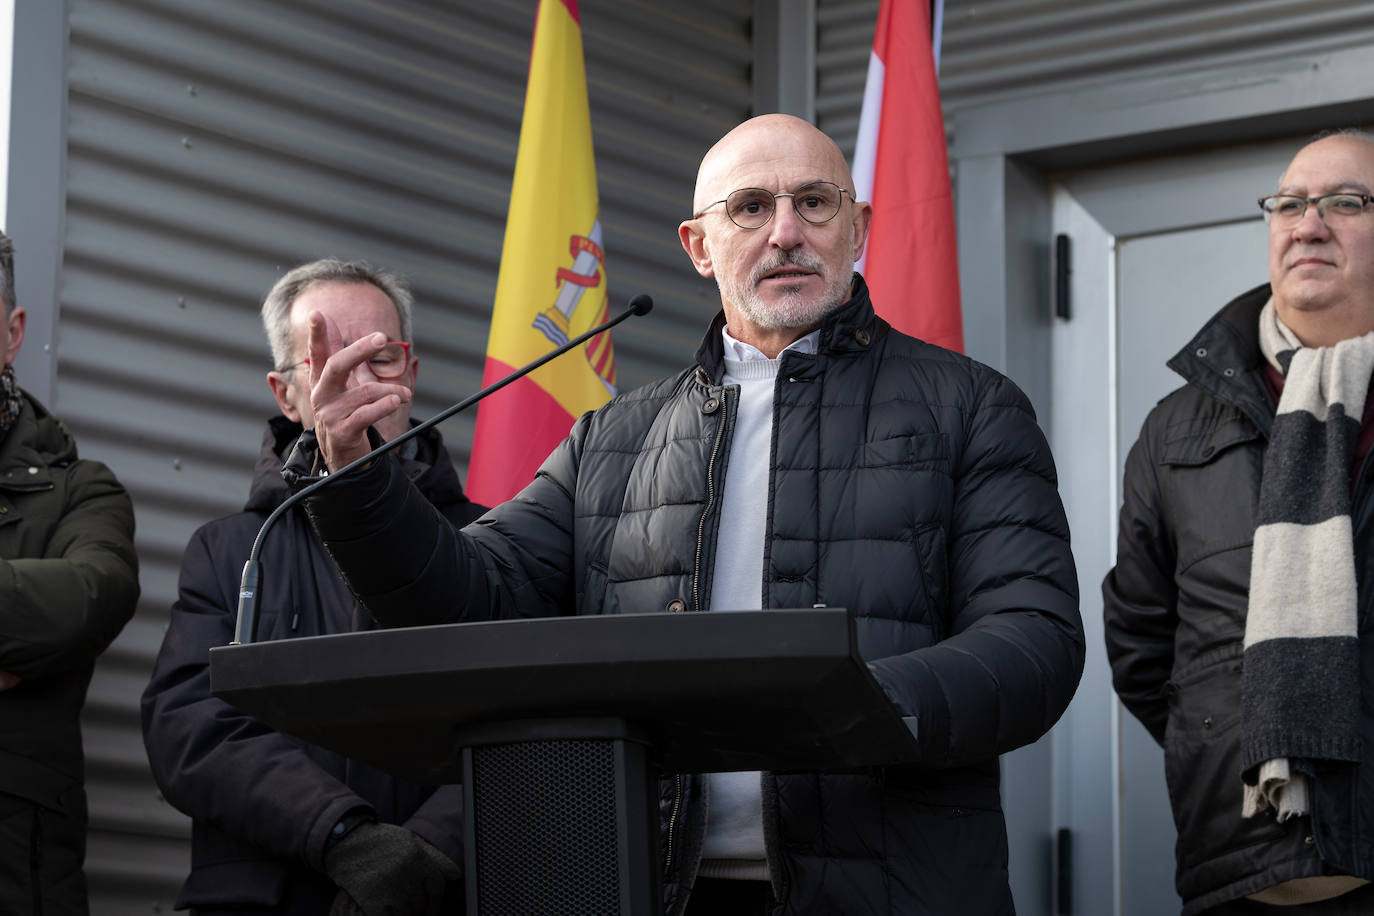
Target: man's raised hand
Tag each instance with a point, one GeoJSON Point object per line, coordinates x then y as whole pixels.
{"type": "Point", "coordinates": [345, 397]}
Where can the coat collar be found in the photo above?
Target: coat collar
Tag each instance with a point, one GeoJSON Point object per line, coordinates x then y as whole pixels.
{"type": "Point", "coordinates": [32, 446]}
{"type": "Point", "coordinates": [851, 328]}
{"type": "Point", "coordinates": [1224, 358]}
{"type": "Point", "coordinates": [431, 468]}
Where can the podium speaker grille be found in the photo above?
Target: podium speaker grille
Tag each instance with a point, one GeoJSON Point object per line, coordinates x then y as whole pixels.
{"type": "Point", "coordinates": [552, 849]}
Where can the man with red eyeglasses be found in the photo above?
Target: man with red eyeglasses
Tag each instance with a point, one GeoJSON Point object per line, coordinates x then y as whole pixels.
{"type": "Point", "coordinates": [280, 826]}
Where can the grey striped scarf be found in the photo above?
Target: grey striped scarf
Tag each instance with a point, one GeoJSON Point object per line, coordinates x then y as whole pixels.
{"type": "Point", "coordinates": [1300, 686]}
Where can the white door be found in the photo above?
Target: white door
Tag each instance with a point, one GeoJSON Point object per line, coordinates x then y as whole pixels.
{"type": "Point", "coordinates": [1157, 248]}
{"type": "Point", "coordinates": [1168, 286]}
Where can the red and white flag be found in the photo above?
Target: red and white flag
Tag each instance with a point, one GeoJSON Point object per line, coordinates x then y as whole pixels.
{"type": "Point", "coordinates": [901, 167]}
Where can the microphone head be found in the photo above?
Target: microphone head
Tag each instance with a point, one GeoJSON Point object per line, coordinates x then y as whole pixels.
{"type": "Point", "coordinates": [642, 304]}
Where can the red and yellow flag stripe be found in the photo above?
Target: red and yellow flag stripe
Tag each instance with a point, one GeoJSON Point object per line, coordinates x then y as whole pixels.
{"type": "Point", "coordinates": [552, 284]}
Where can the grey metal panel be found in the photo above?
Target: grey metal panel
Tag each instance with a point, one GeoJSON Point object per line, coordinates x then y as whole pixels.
{"type": "Point", "coordinates": [34, 218]}
{"type": "Point", "coordinates": [844, 39]}
{"type": "Point", "coordinates": [211, 145]}
{"type": "Point", "coordinates": [785, 57]}
{"type": "Point", "coordinates": [999, 51]}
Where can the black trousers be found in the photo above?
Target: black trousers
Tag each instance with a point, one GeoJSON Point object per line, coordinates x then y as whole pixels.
{"type": "Point", "coordinates": [724, 897]}
{"type": "Point", "coordinates": [40, 857]}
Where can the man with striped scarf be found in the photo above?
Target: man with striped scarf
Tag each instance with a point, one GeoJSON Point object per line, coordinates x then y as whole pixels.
{"type": "Point", "coordinates": [1237, 615]}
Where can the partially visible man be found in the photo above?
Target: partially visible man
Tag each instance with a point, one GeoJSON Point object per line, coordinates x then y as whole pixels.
{"type": "Point", "coordinates": [281, 826]}
{"type": "Point", "coordinates": [811, 456]}
{"type": "Point", "coordinates": [1240, 613]}
{"type": "Point", "coordinates": [68, 584]}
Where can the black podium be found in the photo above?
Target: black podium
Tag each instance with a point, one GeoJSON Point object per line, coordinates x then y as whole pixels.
{"type": "Point", "coordinates": [559, 728]}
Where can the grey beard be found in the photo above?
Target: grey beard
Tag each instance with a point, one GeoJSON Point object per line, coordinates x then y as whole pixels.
{"type": "Point", "coordinates": [792, 311]}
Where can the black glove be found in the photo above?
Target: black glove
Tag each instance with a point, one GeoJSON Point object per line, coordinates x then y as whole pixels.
{"type": "Point", "coordinates": [386, 870]}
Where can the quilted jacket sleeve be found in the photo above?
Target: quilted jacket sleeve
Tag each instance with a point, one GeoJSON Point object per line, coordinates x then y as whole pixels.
{"type": "Point", "coordinates": [1011, 656]}
{"type": "Point", "coordinates": [209, 759]}
{"type": "Point", "coordinates": [1140, 599]}
{"type": "Point", "coordinates": [58, 611]}
{"type": "Point", "coordinates": [516, 561]}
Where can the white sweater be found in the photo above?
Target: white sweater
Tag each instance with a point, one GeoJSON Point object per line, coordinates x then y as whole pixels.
{"type": "Point", "coordinates": [734, 828]}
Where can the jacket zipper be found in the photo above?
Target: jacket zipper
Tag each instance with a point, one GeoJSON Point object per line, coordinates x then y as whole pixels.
{"type": "Point", "coordinates": [672, 826]}
{"type": "Point", "coordinates": [710, 501]}
{"type": "Point", "coordinates": [696, 606]}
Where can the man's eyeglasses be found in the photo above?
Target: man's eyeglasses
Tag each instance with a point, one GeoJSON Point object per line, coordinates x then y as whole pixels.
{"type": "Point", "coordinates": [752, 208]}
{"type": "Point", "coordinates": [390, 362]}
{"type": "Point", "coordinates": [1287, 210]}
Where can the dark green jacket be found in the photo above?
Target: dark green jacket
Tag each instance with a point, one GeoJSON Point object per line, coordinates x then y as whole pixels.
{"type": "Point", "coordinates": [68, 584]}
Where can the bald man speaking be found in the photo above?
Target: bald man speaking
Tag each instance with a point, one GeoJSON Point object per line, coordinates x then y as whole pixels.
{"type": "Point", "coordinates": [811, 455]}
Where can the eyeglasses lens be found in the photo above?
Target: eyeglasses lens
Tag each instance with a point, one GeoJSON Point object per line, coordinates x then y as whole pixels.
{"type": "Point", "coordinates": [1288, 210]}
{"type": "Point", "coordinates": [817, 203]}
{"type": "Point", "coordinates": [751, 208]}
{"type": "Point", "coordinates": [390, 361]}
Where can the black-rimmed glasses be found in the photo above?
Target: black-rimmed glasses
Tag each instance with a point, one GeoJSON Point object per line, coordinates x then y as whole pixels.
{"type": "Point", "coordinates": [752, 208]}
{"type": "Point", "coordinates": [1285, 210]}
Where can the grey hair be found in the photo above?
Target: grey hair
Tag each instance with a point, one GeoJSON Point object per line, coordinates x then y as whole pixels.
{"type": "Point", "coordinates": [7, 273]}
{"type": "Point", "coordinates": [276, 308]}
{"type": "Point", "coordinates": [1355, 132]}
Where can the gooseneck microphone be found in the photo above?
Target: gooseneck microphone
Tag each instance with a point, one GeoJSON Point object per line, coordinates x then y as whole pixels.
{"type": "Point", "coordinates": [246, 626]}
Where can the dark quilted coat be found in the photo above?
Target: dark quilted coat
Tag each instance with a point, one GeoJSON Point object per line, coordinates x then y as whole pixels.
{"type": "Point", "coordinates": [910, 485]}
{"type": "Point", "coordinates": [262, 802]}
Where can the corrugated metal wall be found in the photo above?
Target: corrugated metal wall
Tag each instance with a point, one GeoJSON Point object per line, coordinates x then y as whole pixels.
{"type": "Point", "coordinates": [212, 145]}
{"type": "Point", "coordinates": [844, 38]}
{"type": "Point", "coordinates": [996, 50]}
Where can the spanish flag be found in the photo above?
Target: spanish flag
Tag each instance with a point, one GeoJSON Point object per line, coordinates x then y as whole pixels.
{"type": "Point", "coordinates": [911, 262]}
{"type": "Point", "coordinates": [552, 284]}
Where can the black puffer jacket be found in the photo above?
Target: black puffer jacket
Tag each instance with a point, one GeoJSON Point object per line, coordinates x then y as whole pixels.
{"type": "Point", "coordinates": [68, 584]}
{"type": "Point", "coordinates": [1175, 620]}
{"type": "Point", "coordinates": [262, 802]}
{"type": "Point", "coordinates": [910, 484]}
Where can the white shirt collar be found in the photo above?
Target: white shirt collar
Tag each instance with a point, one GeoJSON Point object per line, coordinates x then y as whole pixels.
{"type": "Point", "coordinates": [741, 351]}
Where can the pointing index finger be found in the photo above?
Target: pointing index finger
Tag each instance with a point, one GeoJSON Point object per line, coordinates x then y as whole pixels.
{"type": "Point", "coordinates": [325, 340]}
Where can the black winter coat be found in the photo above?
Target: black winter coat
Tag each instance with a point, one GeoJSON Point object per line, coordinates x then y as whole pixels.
{"type": "Point", "coordinates": [262, 802]}
{"type": "Point", "coordinates": [1175, 608]}
{"type": "Point", "coordinates": [909, 484]}
{"type": "Point", "coordinates": [68, 584]}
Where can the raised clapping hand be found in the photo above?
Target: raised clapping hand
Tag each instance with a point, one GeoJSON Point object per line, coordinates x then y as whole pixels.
{"type": "Point", "coordinates": [345, 397]}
